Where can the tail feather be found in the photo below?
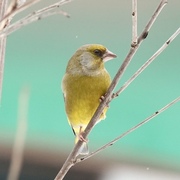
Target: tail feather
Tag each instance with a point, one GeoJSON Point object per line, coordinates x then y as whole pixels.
{"type": "Point", "coordinates": [83, 149]}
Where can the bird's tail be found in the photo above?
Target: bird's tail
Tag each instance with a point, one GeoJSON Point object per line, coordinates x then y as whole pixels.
{"type": "Point", "coordinates": [83, 149]}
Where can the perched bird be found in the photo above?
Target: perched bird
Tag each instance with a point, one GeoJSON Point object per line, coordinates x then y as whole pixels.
{"type": "Point", "coordinates": [86, 80]}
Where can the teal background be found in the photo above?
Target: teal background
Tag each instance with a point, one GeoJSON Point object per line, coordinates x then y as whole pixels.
{"type": "Point", "coordinates": [37, 55]}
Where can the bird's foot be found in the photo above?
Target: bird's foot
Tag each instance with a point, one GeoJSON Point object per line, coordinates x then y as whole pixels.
{"type": "Point", "coordinates": [101, 99]}
{"type": "Point", "coordinates": [80, 136]}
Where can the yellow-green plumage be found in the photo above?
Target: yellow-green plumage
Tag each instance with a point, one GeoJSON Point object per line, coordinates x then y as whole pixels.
{"type": "Point", "coordinates": [84, 82]}
{"type": "Point", "coordinates": [87, 90]}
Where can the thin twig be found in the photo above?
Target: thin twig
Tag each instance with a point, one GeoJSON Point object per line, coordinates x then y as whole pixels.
{"type": "Point", "coordinates": [129, 131]}
{"type": "Point", "coordinates": [2, 57]}
{"type": "Point", "coordinates": [19, 143]}
{"type": "Point", "coordinates": [146, 64]}
{"type": "Point", "coordinates": [3, 5]}
{"type": "Point", "coordinates": [153, 18]}
{"type": "Point", "coordinates": [72, 156]}
{"type": "Point", "coordinates": [12, 6]}
{"type": "Point", "coordinates": [37, 15]}
{"type": "Point", "coordinates": [18, 10]}
{"type": "Point", "coordinates": [134, 23]}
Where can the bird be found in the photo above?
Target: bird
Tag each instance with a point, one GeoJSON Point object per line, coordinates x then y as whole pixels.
{"type": "Point", "coordinates": [84, 85]}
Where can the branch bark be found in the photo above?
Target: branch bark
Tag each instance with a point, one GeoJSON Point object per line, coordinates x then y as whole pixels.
{"type": "Point", "coordinates": [134, 23]}
{"type": "Point", "coordinates": [18, 9]}
{"type": "Point", "coordinates": [72, 156]}
{"type": "Point", "coordinates": [3, 5]}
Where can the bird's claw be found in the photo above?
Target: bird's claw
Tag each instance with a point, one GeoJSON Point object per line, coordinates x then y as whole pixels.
{"type": "Point", "coordinates": [101, 99]}
{"type": "Point", "coordinates": [81, 138]}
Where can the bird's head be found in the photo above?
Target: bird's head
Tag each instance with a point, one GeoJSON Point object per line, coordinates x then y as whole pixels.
{"type": "Point", "coordinates": [89, 59]}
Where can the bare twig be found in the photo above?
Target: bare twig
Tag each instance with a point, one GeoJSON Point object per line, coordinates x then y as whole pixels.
{"type": "Point", "coordinates": [42, 13]}
{"type": "Point", "coordinates": [14, 4]}
{"type": "Point", "coordinates": [3, 5]}
{"type": "Point", "coordinates": [147, 63]}
{"type": "Point", "coordinates": [72, 156]}
{"type": "Point", "coordinates": [18, 9]}
{"type": "Point", "coordinates": [18, 149]}
{"type": "Point", "coordinates": [153, 18]}
{"type": "Point", "coordinates": [129, 131]}
{"type": "Point", "coordinates": [134, 23]}
{"type": "Point", "coordinates": [2, 56]}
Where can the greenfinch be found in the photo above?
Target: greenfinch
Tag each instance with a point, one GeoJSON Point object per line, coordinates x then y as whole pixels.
{"type": "Point", "coordinates": [84, 85]}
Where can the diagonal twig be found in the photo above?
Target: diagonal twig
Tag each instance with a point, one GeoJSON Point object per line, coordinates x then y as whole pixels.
{"type": "Point", "coordinates": [42, 13]}
{"type": "Point", "coordinates": [144, 34]}
{"type": "Point", "coordinates": [129, 131]}
{"type": "Point", "coordinates": [18, 10]}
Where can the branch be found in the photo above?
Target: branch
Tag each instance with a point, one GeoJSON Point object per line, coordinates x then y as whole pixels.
{"type": "Point", "coordinates": [14, 4]}
{"type": "Point", "coordinates": [3, 5]}
{"type": "Point", "coordinates": [147, 63]}
{"type": "Point", "coordinates": [42, 13]}
{"type": "Point", "coordinates": [134, 23]}
{"type": "Point", "coordinates": [129, 131]}
{"type": "Point", "coordinates": [72, 156]}
{"type": "Point", "coordinates": [17, 10]}
{"type": "Point", "coordinates": [152, 20]}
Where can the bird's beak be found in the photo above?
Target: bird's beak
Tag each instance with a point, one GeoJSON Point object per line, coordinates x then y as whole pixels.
{"type": "Point", "coordinates": [108, 55]}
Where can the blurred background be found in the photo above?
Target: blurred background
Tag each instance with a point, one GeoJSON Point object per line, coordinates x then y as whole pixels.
{"type": "Point", "coordinates": [36, 58]}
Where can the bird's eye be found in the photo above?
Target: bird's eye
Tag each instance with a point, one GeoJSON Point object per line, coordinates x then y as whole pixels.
{"type": "Point", "coordinates": [98, 52]}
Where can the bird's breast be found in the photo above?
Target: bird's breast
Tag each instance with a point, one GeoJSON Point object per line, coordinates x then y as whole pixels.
{"type": "Point", "coordinates": [82, 94]}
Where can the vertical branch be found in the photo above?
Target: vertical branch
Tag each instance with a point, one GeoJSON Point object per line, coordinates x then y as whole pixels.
{"type": "Point", "coordinates": [2, 56]}
{"type": "Point", "coordinates": [134, 23]}
{"type": "Point", "coordinates": [2, 8]}
{"type": "Point", "coordinates": [18, 148]}
{"type": "Point", "coordinates": [3, 5]}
